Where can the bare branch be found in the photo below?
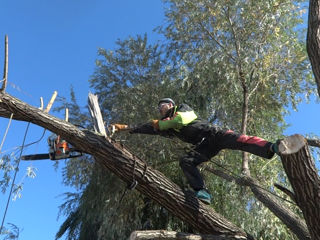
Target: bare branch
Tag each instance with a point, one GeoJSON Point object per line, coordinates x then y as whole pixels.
{"type": "Point", "coordinates": [41, 103]}
{"type": "Point", "coordinates": [54, 95]}
{"type": "Point", "coordinates": [217, 42]}
{"type": "Point", "coordinates": [286, 191]}
{"type": "Point", "coordinates": [313, 142]}
{"type": "Point", "coordinates": [66, 117]}
{"type": "Point", "coordinates": [96, 115]}
{"type": "Point", "coordinates": [5, 71]}
{"type": "Point", "coordinates": [290, 219]}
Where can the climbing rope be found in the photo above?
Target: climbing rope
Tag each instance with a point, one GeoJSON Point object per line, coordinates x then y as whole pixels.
{"type": "Point", "coordinates": [15, 175]}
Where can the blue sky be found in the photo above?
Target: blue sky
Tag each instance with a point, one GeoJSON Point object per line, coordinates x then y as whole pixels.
{"type": "Point", "coordinates": [53, 45]}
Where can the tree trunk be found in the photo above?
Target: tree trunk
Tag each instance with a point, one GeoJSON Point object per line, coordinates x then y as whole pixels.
{"type": "Point", "coordinates": [313, 39]}
{"type": "Point", "coordinates": [171, 235]}
{"type": "Point", "coordinates": [303, 176]}
{"type": "Point", "coordinates": [128, 167]}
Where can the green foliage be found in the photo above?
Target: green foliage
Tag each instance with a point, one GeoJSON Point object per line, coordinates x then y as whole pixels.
{"type": "Point", "coordinates": [8, 166]}
{"type": "Point", "coordinates": [227, 49]}
{"type": "Point", "coordinates": [11, 233]}
{"type": "Point", "coordinates": [217, 41]}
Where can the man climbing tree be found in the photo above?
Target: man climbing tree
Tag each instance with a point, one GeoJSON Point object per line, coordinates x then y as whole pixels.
{"type": "Point", "coordinates": [181, 121]}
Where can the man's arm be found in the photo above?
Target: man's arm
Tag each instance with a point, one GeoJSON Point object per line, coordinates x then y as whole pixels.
{"type": "Point", "coordinates": [146, 128]}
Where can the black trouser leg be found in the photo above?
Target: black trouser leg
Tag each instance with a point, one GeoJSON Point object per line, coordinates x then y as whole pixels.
{"type": "Point", "coordinates": [188, 164]}
{"type": "Point", "coordinates": [212, 145]}
{"type": "Point", "coordinates": [251, 144]}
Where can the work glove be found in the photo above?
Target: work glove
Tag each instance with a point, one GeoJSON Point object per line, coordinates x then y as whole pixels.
{"type": "Point", "coordinates": [155, 124]}
{"type": "Point", "coordinates": [119, 127]}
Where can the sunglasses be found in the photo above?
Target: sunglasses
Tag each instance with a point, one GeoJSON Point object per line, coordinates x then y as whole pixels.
{"type": "Point", "coordinates": [161, 105]}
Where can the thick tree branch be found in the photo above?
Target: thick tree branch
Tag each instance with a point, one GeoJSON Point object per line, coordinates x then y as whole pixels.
{"type": "Point", "coordinates": [171, 235]}
{"type": "Point", "coordinates": [303, 176]}
{"type": "Point", "coordinates": [313, 39]}
{"type": "Point", "coordinates": [313, 142]}
{"type": "Point", "coordinates": [286, 191]}
{"type": "Point", "coordinates": [290, 219]}
{"type": "Point", "coordinates": [125, 165]}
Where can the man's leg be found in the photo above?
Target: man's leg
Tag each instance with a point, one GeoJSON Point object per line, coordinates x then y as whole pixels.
{"type": "Point", "coordinates": [188, 164]}
{"type": "Point", "coordinates": [252, 144]}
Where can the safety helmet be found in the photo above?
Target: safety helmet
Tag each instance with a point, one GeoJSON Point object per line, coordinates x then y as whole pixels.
{"type": "Point", "coordinates": [166, 100]}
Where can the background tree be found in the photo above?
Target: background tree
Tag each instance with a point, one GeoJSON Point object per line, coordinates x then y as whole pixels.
{"type": "Point", "coordinates": [313, 41]}
{"type": "Point", "coordinates": [238, 66]}
{"type": "Point", "coordinates": [246, 60]}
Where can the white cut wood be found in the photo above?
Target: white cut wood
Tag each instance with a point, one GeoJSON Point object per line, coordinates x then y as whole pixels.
{"type": "Point", "coordinates": [54, 95]}
{"type": "Point", "coordinates": [96, 114]}
{"type": "Point", "coordinates": [292, 144]}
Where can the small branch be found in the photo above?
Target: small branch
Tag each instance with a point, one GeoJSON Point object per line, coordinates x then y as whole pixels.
{"type": "Point", "coordinates": [93, 105]}
{"type": "Point", "coordinates": [66, 115]}
{"type": "Point", "coordinates": [239, 181]}
{"type": "Point", "coordinates": [217, 42]}
{"type": "Point", "coordinates": [313, 142]}
{"type": "Point", "coordinates": [41, 103]}
{"type": "Point", "coordinates": [6, 60]}
{"type": "Point", "coordinates": [54, 95]}
{"type": "Point", "coordinates": [286, 191]}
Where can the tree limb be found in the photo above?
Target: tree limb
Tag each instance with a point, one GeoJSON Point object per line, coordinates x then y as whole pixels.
{"type": "Point", "coordinates": [313, 142]}
{"type": "Point", "coordinates": [290, 219]}
{"type": "Point", "coordinates": [5, 71]}
{"type": "Point", "coordinates": [303, 176]}
{"type": "Point", "coordinates": [313, 40]}
{"type": "Point", "coordinates": [286, 191]}
{"type": "Point", "coordinates": [171, 235]}
{"type": "Point", "coordinates": [125, 165]}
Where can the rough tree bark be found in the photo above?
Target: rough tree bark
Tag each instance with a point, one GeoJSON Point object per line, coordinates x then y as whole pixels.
{"type": "Point", "coordinates": [125, 165]}
{"type": "Point", "coordinates": [171, 235]}
{"type": "Point", "coordinates": [303, 176]}
{"type": "Point", "coordinates": [313, 39]}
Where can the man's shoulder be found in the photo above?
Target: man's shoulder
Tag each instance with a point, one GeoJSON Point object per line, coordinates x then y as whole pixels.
{"type": "Point", "coordinates": [183, 107]}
